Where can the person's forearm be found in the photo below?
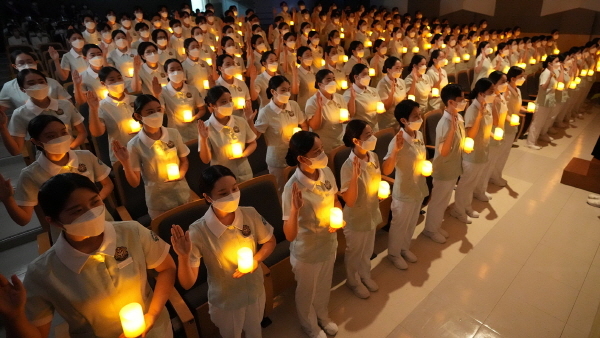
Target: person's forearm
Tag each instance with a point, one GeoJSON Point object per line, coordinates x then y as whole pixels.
{"type": "Point", "coordinates": [351, 194]}
{"type": "Point", "coordinates": [164, 285]}
{"type": "Point", "coordinates": [316, 120]}
{"type": "Point", "coordinates": [63, 74]}
{"type": "Point", "coordinates": [9, 142]}
{"type": "Point", "coordinates": [185, 273]}
{"type": "Point", "coordinates": [265, 250]}
{"type": "Point", "coordinates": [79, 140]}
{"type": "Point", "coordinates": [97, 127]}
{"type": "Point", "coordinates": [447, 146]}
{"type": "Point", "coordinates": [133, 178]}
{"type": "Point", "coordinates": [18, 326]}
{"type": "Point", "coordinates": [253, 92]}
{"type": "Point", "coordinates": [107, 188]}
{"type": "Point", "coordinates": [389, 164]}
{"type": "Point", "coordinates": [205, 154]}
{"type": "Point", "coordinates": [184, 165]}
{"type": "Point", "coordinates": [20, 215]}
{"type": "Point", "coordinates": [474, 130]}
{"type": "Point", "coordinates": [136, 82]}
{"type": "Point", "coordinates": [79, 94]}
{"type": "Point", "coordinates": [352, 107]}
{"type": "Point", "coordinates": [290, 227]}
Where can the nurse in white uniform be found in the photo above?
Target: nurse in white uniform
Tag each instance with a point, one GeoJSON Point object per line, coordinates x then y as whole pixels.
{"type": "Point", "coordinates": [499, 115]}
{"type": "Point", "coordinates": [306, 76]}
{"type": "Point", "coordinates": [545, 102]}
{"type": "Point", "coordinates": [308, 198]}
{"type": "Point", "coordinates": [151, 154]}
{"type": "Point", "coordinates": [242, 95]}
{"type": "Point", "coordinates": [438, 77]}
{"type": "Point", "coordinates": [406, 154]}
{"type": "Point", "coordinates": [417, 83]}
{"type": "Point", "coordinates": [73, 60]}
{"type": "Point", "coordinates": [356, 52]}
{"type": "Point", "coordinates": [236, 300]}
{"type": "Point", "coordinates": [391, 89]}
{"type": "Point", "coordinates": [483, 64]}
{"type": "Point", "coordinates": [364, 98]}
{"type": "Point", "coordinates": [151, 74]}
{"type": "Point", "coordinates": [360, 177]}
{"type": "Point", "coordinates": [197, 71]}
{"type": "Point", "coordinates": [226, 139]}
{"type": "Point", "coordinates": [93, 270]}
{"type": "Point", "coordinates": [269, 63]}
{"type": "Point", "coordinates": [122, 56]}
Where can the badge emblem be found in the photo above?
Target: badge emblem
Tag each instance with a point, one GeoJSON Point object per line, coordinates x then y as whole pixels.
{"type": "Point", "coordinates": [291, 113]}
{"type": "Point", "coordinates": [246, 231]}
{"type": "Point", "coordinates": [327, 185]}
{"type": "Point", "coordinates": [239, 89]}
{"type": "Point", "coordinates": [163, 75]}
{"type": "Point", "coordinates": [121, 253]}
{"type": "Point", "coordinates": [82, 168]}
{"type": "Point", "coordinates": [154, 236]}
{"type": "Point", "coordinates": [236, 129]}
{"type": "Point", "coordinates": [170, 144]}
{"type": "Point", "coordinates": [202, 65]}
{"type": "Point", "coordinates": [131, 55]}
{"type": "Point", "coordinates": [60, 112]}
{"type": "Point", "coordinates": [188, 95]}
{"type": "Point", "coordinates": [170, 53]}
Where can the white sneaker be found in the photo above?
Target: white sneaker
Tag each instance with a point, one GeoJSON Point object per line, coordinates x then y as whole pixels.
{"type": "Point", "coordinates": [435, 236]}
{"type": "Point", "coordinates": [499, 182]}
{"type": "Point", "coordinates": [398, 262]}
{"type": "Point", "coordinates": [359, 290]}
{"type": "Point", "coordinates": [594, 202]}
{"type": "Point", "coordinates": [461, 217]}
{"type": "Point", "coordinates": [483, 198]}
{"type": "Point", "coordinates": [331, 328]}
{"type": "Point", "coordinates": [594, 197]}
{"type": "Point", "coordinates": [534, 147]}
{"type": "Point", "coordinates": [409, 256]}
{"type": "Point", "coordinates": [472, 214]}
{"type": "Point", "coordinates": [370, 284]}
{"type": "Point", "coordinates": [443, 232]}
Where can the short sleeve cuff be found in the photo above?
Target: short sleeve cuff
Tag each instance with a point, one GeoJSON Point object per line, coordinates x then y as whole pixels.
{"type": "Point", "coordinates": [26, 203]}
{"type": "Point", "coordinates": [104, 174]}
{"type": "Point", "coordinates": [185, 152]}
{"type": "Point", "coordinates": [267, 238]}
{"type": "Point", "coordinates": [42, 321]}
{"type": "Point", "coordinates": [161, 258]}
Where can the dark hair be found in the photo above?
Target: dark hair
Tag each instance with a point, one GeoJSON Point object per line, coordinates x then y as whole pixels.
{"type": "Point", "coordinates": [211, 175]}
{"type": "Point", "coordinates": [221, 59]}
{"type": "Point", "coordinates": [301, 52]}
{"type": "Point", "coordinates": [356, 69]}
{"type": "Point", "coordinates": [389, 63]}
{"type": "Point", "coordinates": [265, 56]}
{"type": "Point", "coordinates": [105, 71]}
{"type": "Point", "coordinates": [37, 124]}
{"type": "Point", "coordinates": [15, 53]}
{"type": "Point", "coordinates": [168, 62]}
{"type": "Point", "coordinates": [320, 76]}
{"type": "Point", "coordinates": [117, 32]}
{"type": "Point", "coordinates": [353, 46]}
{"type": "Point", "coordinates": [140, 25]}
{"type": "Point", "coordinates": [377, 44]}
{"type": "Point", "coordinates": [173, 22]}
{"type": "Point", "coordinates": [254, 39]}
{"type": "Point", "coordinates": [87, 47]}
{"type": "Point", "coordinates": [451, 92]}
{"type": "Point", "coordinates": [300, 144]}
{"type": "Point", "coordinates": [354, 129]}
{"type": "Point", "coordinates": [481, 46]}
{"type": "Point", "coordinates": [155, 34]}
{"type": "Point", "coordinates": [23, 74]}
{"type": "Point", "coordinates": [514, 71]}
{"type": "Point", "coordinates": [214, 94]}
{"type": "Point", "coordinates": [187, 42]}
{"type": "Point", "coordinates": [142, 48]}
{"type": "Point", "coordinates": [434, 55]}
{"type": "Point", "coordinates": [481, 86]}
{"type": "Point", "coordinates": [274, 83]}
{"type": "Point", "coordinates": [141, 101]}
{"type": "Point", "coordinates": [55, 192]}
{"type": "Point", "coordinates": [224, 41]}
{"type": "Point", "coordinates": [495, 76]}
{"type": "Point", "coordinates": [404, 109]}
{"type": "Point", "coordinates": [549, 60]}
{"type": "Point", "coordinates": [416, 59]}
{"type": "Point", "coordinates": [312, 34]}
{"type": "Point", "coordinates": [500, 47]}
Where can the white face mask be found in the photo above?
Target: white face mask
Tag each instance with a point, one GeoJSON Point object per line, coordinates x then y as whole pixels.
{"type": "Point", "coordinates": [261, 47]}
{"type": "Point", "coordinates": [383, 50]}
{"type": "Point", "coordinates": [272, 67]}
{"type": "Point", "coordinates": [161, 42]}
{"type": "Point", "coordinates": [164, 14]}
{"type": "Point", "coordinates": [121, 42]}
{"type": "Point", "coordinates": [177, 30]}
{"type": "Point", "coordinates": [38, 91]}
{"type": "Point", "coordinates": [502, 88]}
{"type": "Point", "coordinates": [365, 80]}
{"type": "Point", "coordinates": [145, 34]}
{"type": "Point", "coordinates": [157, 24]}
{"type": "Point", "coordinates": [90, 224]}
{"type": "Point", "coordinates": [199, 38]}
{"type": "Point", "coordinates": [226, 109]}
{"type": "Point", "coordinates": [111, 18]}
{"type": "Point", "coordinates": [416, 125]}
{"type": "Point", "coordinates": [153, 121]}
{"type": "Point", "coordinates": [27, 66]}
{"type": "Point", "coordinates": [194, 52]}
{"type": "Point", "coordinates": [90, 25]}
{"type": "Point", "coordinates": [228, 203]}
{"type": "Point", "coordinates": [319, 162]}
{"type": "Point", "coordinates": [490, 98]}
{"type": "Point", "coordinates": [96, 61]}
{"type": "Point", "coordinates": [520, 81]}
{"type": "Point", "coordinates": [230, 50]}
{"type": "Point", "coordinates": [283, 98]}
{"type": "Point", "coordinates": [78, 43]}
{"type": "Point", "coordinates": [307, 61]}
{"type": "Point", "coordinates": [422, 69]}
{"type": "Point", "coordinates": [203, 27]}
{"type": "Point", "coordinates": [139, 15]}
{"type": "Point", "coordinates": [330, 88]}
{"type": "Point", "coordinates": [291, 44]}
{"type": "Point", "coordinates": [126, 23]}
{"type": "Point", "coordinates": [58, 146]}
{"type": "Point", "coordinates": [116, 89]}
{"type": "Point", "coordinates": [186, 21]}
{"type": "Point", "coordinates": [152, 57]}
{"type": "Point", "coordinates": [315, 41]}
{"type": "Point", "coordinates": [504, 53]}
{"type": "Point", "coordinates": [230, 70]}
{"type": "Point", "coordinates": [460, 106]}
{"type": "Point", "coordinates": [360, 53]}
{"type": "Point", "coordinates": [106, 36]}
{"type": "Point", "coordinates": [396, 75]}
{"type": "Point", "coordinates": [369, 144]}
{"type": "Point", "coordinates": [176, 76]}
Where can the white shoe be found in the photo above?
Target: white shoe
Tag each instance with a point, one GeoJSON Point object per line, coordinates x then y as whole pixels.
{"type": "Point", "coordinates": [571, 120]}
{"type": "Point", "coordinates": [398, 262]}
{"type": "Point", "coordinates": [331, 329]}
{"type": "Point", "coordinates": [359, 290]}
{"type": "Point", "coordinates": [546, 138]}
{"type": "Point", "coordinates": [443, 232]}
{"type": "Point", "coordinates": [472, 214]}
{"type": "Point", "coordinates": [463, 218]}
{"type": "Point", "coordinates": [435, 236]}
{"type": "Point", "coordinates": [321, 334]}
{"type": "Point", "coordinates": [370, 284]}
{"type": "Point", "coordinates": [483, 198]}
{"type": "Point", "coordinates": [409, 256]}
{"type": "Point", "coordinates": [534, 147]}
{"type": "Point", "coordinates": [594, 202]}
{"type": "Point", "coordinates": [594, 197]}
{"type": "Point", "coordinates": [499, 182]}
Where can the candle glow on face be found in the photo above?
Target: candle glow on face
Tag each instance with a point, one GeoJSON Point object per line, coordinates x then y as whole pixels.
{"type": "Point", "coordinates": [132, 320]}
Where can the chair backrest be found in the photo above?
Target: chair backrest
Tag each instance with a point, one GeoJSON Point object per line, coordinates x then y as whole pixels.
{"type": "Point", "coordinates": [337, 157]}
{"type": "Point", "coordinates": [430, 122]}
{"type": "Point", "coordinates": [384, 137]}
{"type": "Point", "coordinates": [288, 172]}
{"type": "Point", "coordinates": [43, 47]}
{"type": "Point", "coordinates": [70, 88]}
{"type": "Point", "coordinates": [463, 80]}
{"type": "Point", "coordinates": [257, 159]}
{"type": "Point", "coordinates": [24, 48]}
{"type": "Point", "coordinates": [261, 193]}
{"type": "Point", "coordinates": [532, 85]}
{"type": "Point", "coordinates": [196, 166]}
{"type": "Point", "coordinates": [102, 149]}
{"type": "Point", "coordinates": [133, 199]}
{"type": "Point", "coordinates": [451, 78]}
{"type": "Point", "coordinates": [525, 89]}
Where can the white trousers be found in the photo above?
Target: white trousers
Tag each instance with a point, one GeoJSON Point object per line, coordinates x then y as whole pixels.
{"type": "Point", "coordinates": [470, 182]}
{"type": "Point", "coordinates": [565, 111]}
{"type": "Point", "coordinates": [553, 114]}
{"type": "Point", "coordinates": [359, 249]}
{"type": "Point", "coordinates": [231, 323]}
{"type": "Point", "coordinates": [281, 180]}
{"type": "Point", "coordinates": [537, 125]}
{"type": "Point", "coordinates": [493, 157]}
{"type": "Point", "coordinates": [440, 198]}
{"type": "Point", "coordinates": [402, 227]}
{"type": "Point", "coordinates": [312, 292]}
{"type": "Point", "coordinates": [503, 153]}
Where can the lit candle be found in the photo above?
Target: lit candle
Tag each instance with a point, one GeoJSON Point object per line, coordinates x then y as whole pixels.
{"type": "Point", "coordinates": [188, 116]}
{"type": "Point", "coordinates": [543, 58]}
{"type": "Point", "coordinates": [427, 46]}
{"type": "Point", "coordinates": [404, 50]}
{"type": "Point", "coordinates": [206, 84]}
{"type": "Point", "coordinates": [296, 129]}
{"type": "Point", "coordinates": [426, 168]}
{"type": "Point", "coordinates": [435, 92]}
{"type": "Point", "coordinates": [236, 150]}
{"type": "Point", "coordinates": [469, 144]}
{"type": "Point", "coordinates": [515, 120]}
{"type": "Point", "coordinates": [498, 134]}
{"type": "Point", "coordinates": [384, 190]}
{"type": "Point", "coordinates": [322, 62]}
{"type": "Point", "coordinates": [429, 34]}
{"type": "Point", "coordinates": [208, 61]}
{"type": "Point", "coordinates": [345, 58]}
{"type": "Point", "coordinates": [443, 45]}
{"type": "Point", "coordinates": [240, 103]}
{"type": "Point", "coordinates": [380, 108]}
{"type": "Point", "coordinates": [411, 97]}
{"type": "Point", "coordinates": [291, 23]}
{"type": "Point", "coordinates": [572, 84]}
{"type": "Point", "coordinates": [371, 71]}
{"type": "Point", "coordinates": [530, 107]}
{"type": "Point", "coordinates": [522, 65]}
{"type": "Point", "coordinates": [556, 51]}
{"type": "Point", "coordinates": [173, 171]}
{"type": "Point", "coordinates": [213, 47]}
{"type": "Point", "coordinates": [245, 260]}
{"type": "Point", "coordinates": [130, 71]}
{"type": "Point", "coordinates": [239, 77]}
{"type": "Point", "coordinates": [336, 218]}
{"type": "Point", "coordinates": [415, 49]}
{"type": "Point", "coordinates": [103, 93]}
{"type": "Point", "coordinates": [584, 72]}
{"type": "Point", "coordinates": [240, 33]}
{"type": "Point", "coordinates": [170, 30]}
{"type": "Point", "coordinates": [344, 115]}
{"type": "Point", "coordinates": [456, 59]}
{"type": "Point", "coordinates": [577, 80]}
{"type": "Point", "coordinates": [560, 85]}
{"type": "Point", "coordinates": [182, 51]}
{"type": "Point", "coordinates": [132, 320]}
{"type": "Point", "coordinates": [505, 69]}
{"type": "Point", "coordinates": [495, 48]}
{"type": "Point", "coordinates": [368, 43]}
{"type": "Point", "coordinates": [342, 35]}
{"type": "Point", "coordinates": [237, 55]}
{"type": "Point", "coordinates": [590, 72]}
{"type": "Point", "coordinates": [134, 126]}
{"type": "Point", "coordinates": [344, 84]}
{"type": "Point", "coordinates": [466, 57]}
{"type": "Point", "coordinates": [532, 61]}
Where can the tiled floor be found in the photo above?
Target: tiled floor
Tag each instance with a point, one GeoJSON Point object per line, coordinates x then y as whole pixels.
{"type": "Point", "coordinates": [529, 267]}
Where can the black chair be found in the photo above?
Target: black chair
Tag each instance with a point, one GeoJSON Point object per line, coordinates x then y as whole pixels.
{"type": "Point", "coordinates": [101, 146]}
{"type": "Point", "coordinates": [430, 122]}
{"type": "Point", "coordinates": [451, 78]}
{"type": "Point", "coordinates": [45, 46]}
{"type": "Point", "coordinates": [132, 200]}
{"type": "Point", "coordinates": [463, 81]}
{"type": "Point", "coordinates": [337, 157]}
{"type": "Point", "coordinates": [257, 159]}
{"type": "Point", "coordinates": [384, 137]}
{"type": "Point", "coordinates": [196, 167]}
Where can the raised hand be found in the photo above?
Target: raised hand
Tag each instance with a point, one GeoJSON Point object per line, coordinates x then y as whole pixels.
{"type": "Point", "coordinates": [137, 63]}
{"type": "Point", "coordinates": [399, 140]}
{"type": "Point", "coordinates": [250, 114]}
{"type": "Point", "coordinates": [6, 189]}
{"type": "Point", "coordinates": [77, 80]}
{"type": "Point", "coordinates": [53, 54]}
{"type": "Point", "coordinates": [202, 129]}
{"type": "Point", "coordinates": [3, 117]}
{"type": "Point", "coordinates": [180, 241]}
{"type": "Point", "coordinates": [297, 201]}
{"type": "Point", "coordinates": [319, 99]}
{"type": "Point", "coordinates": [355, 167]}
{"type": "Point", "coordinates": [352, 93]}
{"type": "Point", "coordinates": [92, 100]}
{"type": "Point", "coordinates": [12, 296]}
{"type": "Point", "coordinates": [156, 87]}
{"type": "Point", "coordinates": [120, 152]}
